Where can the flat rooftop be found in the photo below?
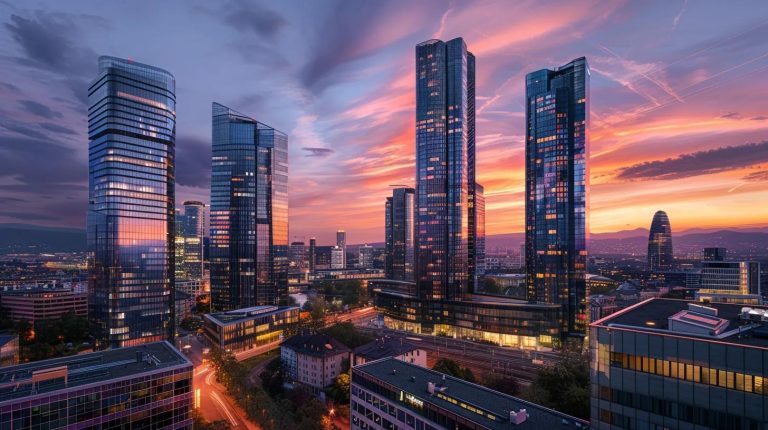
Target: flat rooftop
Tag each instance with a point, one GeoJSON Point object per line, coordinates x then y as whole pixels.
{"type": "Point", "coordinates": [17, 381]}
{"type": "Point", "coordinates": [652, 316]}
{"type": "Point", "coordinates": [237, 315]}
{"type": "Point", "coordinates": [413, 379]}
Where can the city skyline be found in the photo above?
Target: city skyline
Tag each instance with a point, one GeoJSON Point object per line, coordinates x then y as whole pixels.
{"type": "Point", "coordinates": [665, 111]}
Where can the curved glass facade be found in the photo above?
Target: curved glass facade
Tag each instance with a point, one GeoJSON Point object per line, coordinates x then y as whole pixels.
{"type": "Point", "coordinates": [660, 243]}
{"type": "Point", "coordinates": [249, 212]}
{"type": "Point", "coordinates": [556, 182]}
{"type": "Point", "coordinates": [132, 132]}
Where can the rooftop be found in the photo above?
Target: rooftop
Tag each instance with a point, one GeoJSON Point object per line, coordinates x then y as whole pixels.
{"type": "Point", "coordinates": [653, 315]}
{"type": "Point", "coordinates": [384, 347]}
{"type": "Point", "coordinates": [414, 380]}
{"type": "Point", "coordinates": [237, 315]}
{"type": "Point", "coordinates": [67, 372]}
{"type": "Point", "coordinates": [5, 338]}
{"type": "Point", "coordinates": [318, 345]}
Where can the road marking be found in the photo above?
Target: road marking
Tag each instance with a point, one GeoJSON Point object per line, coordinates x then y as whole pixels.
{"type": "Point", "coordinates": [231, 417]}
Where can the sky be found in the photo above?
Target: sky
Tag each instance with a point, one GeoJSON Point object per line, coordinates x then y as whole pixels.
{"type": "Point", "coordinates": [679, 113]}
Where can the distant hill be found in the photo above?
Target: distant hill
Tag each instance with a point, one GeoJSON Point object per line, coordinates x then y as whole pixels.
{"type": "Point", "coordinates": [32, 238]}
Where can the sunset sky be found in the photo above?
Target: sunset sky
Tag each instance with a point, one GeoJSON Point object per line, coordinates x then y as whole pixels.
{"type": "Point", "coordinates": [679, 101]}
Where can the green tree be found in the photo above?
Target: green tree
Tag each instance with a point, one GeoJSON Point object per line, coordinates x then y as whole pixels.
{"type": "Point", "coordinates": [340, 389]}
{"type": "Point", "coordinates": [563, 386]}
{"type": "Point", "coordinates": [347, 333]}
{"type": "Point", "coordinates": [502, 384]}
{"type": "Point", "coordinates": [452, 368]}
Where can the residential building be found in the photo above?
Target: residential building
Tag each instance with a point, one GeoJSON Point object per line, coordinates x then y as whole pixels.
{"type": "Point", "coordinates": [388, 346]}
{"type": "Point", "coordinates": [143, 386]}
{"type": "Point", "coordinates": [660, 256]}
{"type": "Point", "coordinates": [391, 393]}
{"type": "Point", "coordinates": [9, 349]}
{"type": "Point", "coordinates": [556, 181]}
{"type": "Point", "coordinates": [398, 234]}
{"type": "Point", "coordinates": [666, 363]}
{"type": "Point", "coordinates": [249, 212]}
{"type": "Point", "coordinates": [313, 361]}
{"type": "Point", "coordinates": [341, 243]}
{"type": "Point", "coordinates": [730, 282]}
{"type": "Point", "coordinates": [37, 304]}
{"type": "Point", "coordinates": [130, 225]}
{"type": "Point", "coordinates": [242, 330]}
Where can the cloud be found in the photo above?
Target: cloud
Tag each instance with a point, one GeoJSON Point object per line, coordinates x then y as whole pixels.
{"type": "Point", "coordinates": [760, 176]}
{"type": "Point", "coordinates": [55, 128]}
{"type": "Point", "coordinates": [759, 118]}
{"type": "Point", "coordinates": [21, 128]}
{"type": "Point", "coordinates": [317, 152]}
{"type": "Point", "coordinates": [58, 171]}
{"type": "Point", "coordinates": [251, 17]}
{"type": "Point", "coordinates": [730, 115]}
{"type": "Point", "coordinates": [193, 162]}
{"type": "Point", "coordinates": [38, 109]}
{"type": "Point", "coordinates": [698, 163]}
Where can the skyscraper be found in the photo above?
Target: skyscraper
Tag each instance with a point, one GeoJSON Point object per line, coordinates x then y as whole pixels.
{"type": "Point", "coordinates": [297, 255]}
{"type": "Point", "coordinates": [477, 236]}
{"type": "Point", "coordinates": [556, 179]}
{"type": "Point", "coordinates": [132, 133]}
{"type": "Point", "coordinates": [714, 254]}
{"type": "Point", "coordinates": [444, 163]}
{"type": "Point", "coordinates": [365, 257]}
{"type": "Point", "coordinates": [312, 257]}
{"type": "Point", "coordinates": [337, 257]}
{"type": "Point", "coordinates": [660, 243]}
{"type": "Point", "coordinates": [189, 237]}
{"type": "Point", "coordinates": [398, 235]}
{"type": "Point", "coordinates": [341, 242]}
{"type": "Point", "coordinates": [249, 212]}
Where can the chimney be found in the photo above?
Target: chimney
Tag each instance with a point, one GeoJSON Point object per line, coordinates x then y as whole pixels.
{"type": "Point", "coordinates": [518, 417]}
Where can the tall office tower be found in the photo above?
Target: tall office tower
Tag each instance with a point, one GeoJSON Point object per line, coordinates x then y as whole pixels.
{"type": "Point", "coordinates": [660, 243]}
{"type": "Point", "coordinates": [365, 257]}
{"type": "Point", "coordinates": [398, 235]}
{"type": "Point", "coordinates": [312, 257]}
{"type": "Point", "coordinates": [297, 255]}
{"type": "Point", "coordinates": [178, 247]}
{"type": "Point", "coordinates": [714, 254]}
{"type": "Point", "coordinates": [341, 242]}
{"type": "Point", "coordinates": [249, 212]}
{"type": "Point", "coordinates": [132, 132]}
{"type": "Point", "coordinates": [477, 235]}
{"type": "Point", "coordinates": [193, 231]}
{"type": "Point", "coordinates": [556, 181]}
{"type": "Point", "coordinates": [337, 257]}
{"type": "Point", "coordinates": [444, 122]}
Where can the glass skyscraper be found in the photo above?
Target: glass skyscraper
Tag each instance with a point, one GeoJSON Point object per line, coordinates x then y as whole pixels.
{"type": "Point", "coordinates": [476, 236]}
{"type": "Point", "coordinates": [341, 242]}
{"type": "Point", "coordinates": [398, 235]}
{"type": "Point", "coordinates": [444, 167]}
{"type": "Point", "coordinates": [556, 181]}
{"type": "Point", "coordinates": [190, 232]}
{"type": "Point", "coordinates": [132, 133]}
{"type": "Point", "coordinates": [660, 255]}
{"type": "Point", "coordinates": [249, 212]}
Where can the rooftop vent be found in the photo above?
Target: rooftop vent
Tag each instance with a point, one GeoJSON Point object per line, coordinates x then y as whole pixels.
{"type": "Point", "coordinates": [752, 314]}
{"type": "Point", "coordinates": [518, 417]}
{"type": "Point", "coordinates": [699, 309]}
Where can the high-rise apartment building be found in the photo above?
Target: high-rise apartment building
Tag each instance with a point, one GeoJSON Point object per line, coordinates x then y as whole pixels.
{"type": "Point", "coordinates": [132, 133]}
{"type": "Point", "coordinates": [337, 257]}
{"type": "Point", "coordinates": [398, 235]}
{"type": "Point", "coordinates": [660, 255]}
{"type": "Point", "coordinates": [249, 212]}
{"type": "Point", "coordinates": [556, 180]}
{"type": "Point", "coordinates": [341, 242]}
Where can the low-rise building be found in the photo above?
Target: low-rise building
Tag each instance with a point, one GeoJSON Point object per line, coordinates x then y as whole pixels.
{"type": "Point", "coordinates": [37, 304]}
{"type": "Point", "coordinates": [241, 330]}
{"type": "Point", "coordinates": [146, 386]}
{"type": "Point", "coordinates": [679, 364]}
{"type": "Point", "coordinates": [390, 393]}
{"type": "Point", "coordinates": [730, 282]}
{"type": "Point", "coordinates": [9, 350]}
{"type": "Point", "coordinates": [313, 361]}
{"type": "Point", "coordinates": [390, 347]}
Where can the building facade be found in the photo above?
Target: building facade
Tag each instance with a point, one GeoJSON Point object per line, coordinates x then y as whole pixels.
{"type": "Point", "coordinates": [130, 225]}
{"type": "Point", "coordinates": [398, 234]}
{"type": "Point", "coordinates": [9, 350]}
{"type": "Point", "coordinates": [37, 304]}
{"type": "Point", "coordinates": [714, 254]}
{"type": "Point", "coordinates": [389, 347]}
{"type": "Point", "coordinates": [341, 243]}
{"type": "Point", "coordinates": [667, 363]}
{"type": "Point", "coordinates": [476, 244]}
{"type": "Point", "coordinates": [242, 330]}
{"type": "Point", "coordinates": [249, 212]}
{"type": "Point", "coordinates": [730, 282]}
{"type": "Point", "coordinates": [365, 257]}
{"type": "Point", "coordinates": [556, 182]}
{"type": "Point", "coordinates": [660, 255]}
{"type": "Point", "coordinates": [337, 258]}
{"type": "Point", "coordinates": [147, 386]}
{"type": "Point", "coordinates": [297, 255]}
{"type": "Point", "coordinates": [312, 258]}
{"type": "Point", "coordinates": [190, 232]}
{"type": "Point", "coordinates": [313, 361]}
{"type": "Point", "coordinates": [393, 394]}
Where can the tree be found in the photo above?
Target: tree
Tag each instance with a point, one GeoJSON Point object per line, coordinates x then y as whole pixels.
{"type": "Point", "coordinates": [347, 333]}
{"type": "Point", "coordinates": [452, 368]}
{"type": "Point", "coordinates": [316, 307]}
{"type": "Point", "coordinates": [503, 384]}
{"type": "Point", "coordinates": [340, 389]}
{"type": "Point", "coordinates": [563, 386]}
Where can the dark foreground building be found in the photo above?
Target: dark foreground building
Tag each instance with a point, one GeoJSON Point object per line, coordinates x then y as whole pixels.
{"type": "Point", "coordinates": [131, 204]}
{"type": "Point", "coordinates": [390, 393]}
{"type": "Point", "coordinates": [676, 364]}
{"type": "Point", "coordinates": [141, 387]}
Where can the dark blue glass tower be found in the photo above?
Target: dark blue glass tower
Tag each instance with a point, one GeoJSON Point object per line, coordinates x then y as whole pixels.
{"type": "Point", "coordinates": [249, 212]}
{"type": "Point", "coordinates": [556, 180]}
{"type": "Point", "coordinates": [132, 132]}
{"type": "Point", "coordinates": [398, 235]}
{"type": "Point", "coordinates": [660, 255]}
{"type": "Point", "coordinates": [444, 162]}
